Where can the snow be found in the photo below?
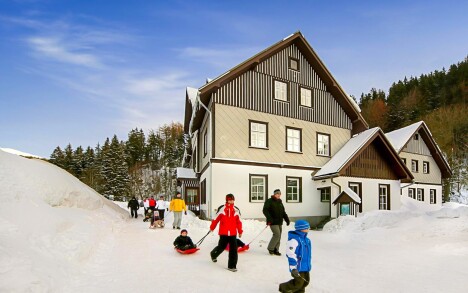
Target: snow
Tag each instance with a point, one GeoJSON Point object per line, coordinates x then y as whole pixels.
{"type": "Point", "coordinates": [346, 153]}
{"type": "Point", "coordinates": [186, 173]}
{"type": "Point", "coordinates": [192, 94]}
{"type": "Point", "coordinates": [352, 194]}
{"type": "Point", "coordinates": [398, 138]}
{"type": "Point", "coordinates": [19, 153]}
{"type": "Point", "coordinates": [58, 235]}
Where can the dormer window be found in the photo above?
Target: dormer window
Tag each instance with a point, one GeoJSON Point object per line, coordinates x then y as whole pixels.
{"type": "Point", "coordinates": [293, 64]}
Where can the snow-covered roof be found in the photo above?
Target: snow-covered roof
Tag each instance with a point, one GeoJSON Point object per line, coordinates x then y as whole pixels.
{"type": "Point", "coordinates": [346, 152]}
{"type": "Point", "coordinates": [352, 194]}
{"type": "Point", "coordinates": [398, 138]}
{"type": "Point", "coordinates": [192, 94]}
{"type": "Point", "coordinates": [186, 173]}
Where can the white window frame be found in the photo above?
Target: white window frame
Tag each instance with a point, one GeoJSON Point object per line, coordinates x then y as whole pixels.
{"type": "Point", "coordinates": [293, 139]}
{"type": "Point", "coordinates": [426, 167]}
{"type": "Point", "coordinates": [432, 196]}
{"type": "Point", "coordinates": [420, 194]}
{"type": "Point", "coordinates": [383, 196]}
{"type": "Point", "coordinates": [254, 194]}
{"type": "Point", "coordinates": [281, 91]}
{"type": "Point", "coordinates": [258, 137]}
{"type": "Point", "coordinates": [323, 148]}
{"type": "Point", "coordinates": [411, 193]}
{"type": "Point", "coordinates": [293, 193]}
{"type": "Point", "coordinates": [414, 166]}
{"type": "Point", "coordinates": [205, 143]}
{"type": "Point", "coordinates": [306, 97]}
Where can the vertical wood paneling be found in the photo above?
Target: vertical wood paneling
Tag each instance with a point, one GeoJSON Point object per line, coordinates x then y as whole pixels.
{"type": "Point", "coordinates": [254, 90]}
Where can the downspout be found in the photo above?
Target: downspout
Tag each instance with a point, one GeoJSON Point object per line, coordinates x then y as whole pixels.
{"type": "Point", "coordinates": [210, 144]}
{"type": "Point", "coordinates": [339, 192]}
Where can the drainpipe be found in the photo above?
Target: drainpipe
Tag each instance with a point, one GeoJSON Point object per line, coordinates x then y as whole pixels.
{"type": "Point", "coordinates": [339, 192]}
{"type": "Point", "coordinates": [210, 144]}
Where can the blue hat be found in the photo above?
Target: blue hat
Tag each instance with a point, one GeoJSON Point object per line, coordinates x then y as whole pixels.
{"type": "Point", "coordinates": [301, 225]}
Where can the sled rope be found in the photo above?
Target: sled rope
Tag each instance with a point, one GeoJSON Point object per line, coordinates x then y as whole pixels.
{"type": "Point", "coordinates": [201, 240]}
{"type": "Point", "coordinates": [258, 234]}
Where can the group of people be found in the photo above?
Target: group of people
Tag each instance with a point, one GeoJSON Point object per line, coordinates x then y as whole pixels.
{"type": "Point", "coordinates": [298, 251]}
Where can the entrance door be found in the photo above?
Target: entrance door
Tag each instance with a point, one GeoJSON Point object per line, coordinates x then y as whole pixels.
{"type": "Point", "coordinates": [192, 200]}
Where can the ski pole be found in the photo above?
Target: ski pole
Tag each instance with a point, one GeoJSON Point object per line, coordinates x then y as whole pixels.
{"type": "Point", "coordinates": [258, 234]}
{"type": "Point", "coordinates": [201, 240]}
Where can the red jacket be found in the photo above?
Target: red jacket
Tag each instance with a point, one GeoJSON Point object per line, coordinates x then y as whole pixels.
{"type": "Point", "coordinates": [152, 202]}
{"type": "Point", "coordinates": [229, 221]}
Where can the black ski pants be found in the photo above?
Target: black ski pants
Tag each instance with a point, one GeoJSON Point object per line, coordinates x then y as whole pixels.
{"type": "Point", "coordinates": [161, 214]}
{"type": "Point", "coordinates": [134, 213]}
{"type": "Point", "coordinates": [224, 240]}
{"type": "Point", "coordinates": [297, 284]}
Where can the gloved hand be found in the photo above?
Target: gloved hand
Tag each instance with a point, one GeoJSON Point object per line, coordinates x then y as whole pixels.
{"type": "Point", "coordinates": [240, 235]}
{"type": "Point", "coordinates": [287, 223]}
{"type": "Point", "coordinates": [295, 273]}
{"type": "Point", "coordinates": [167, 209]}
{"type": "Point", "coordinates": [185, 213]}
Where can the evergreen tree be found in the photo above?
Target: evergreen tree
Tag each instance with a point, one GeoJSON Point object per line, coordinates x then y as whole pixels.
{"type": "Point", "coordinates": [115, 169]}
{"type": "Point", "coordinates": [58, 157]}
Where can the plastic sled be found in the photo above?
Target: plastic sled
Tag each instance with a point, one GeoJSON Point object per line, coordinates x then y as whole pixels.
{"type": "Point", "coordinates": [239, 249]}
{"type": "Point", "coordinates": [188, 251]}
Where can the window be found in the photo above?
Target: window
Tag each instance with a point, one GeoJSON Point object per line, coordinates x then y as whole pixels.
{"type": "Point", "coordinates": [432, 193]}
{"type": "Point", "coordinates": [325, 194]}
{"type": "Point", "coordinates": [258, 137]}
{"type": "Point", "coordinates": [323, 144]}
{"type": "Point", "coordinates": [356, 187]}
{"type": "Point", "coordinates": [411, 193]}
{"type": "Point", "coordinates": [403, 160]}
{"type": "Point", "coordinates": [203, 192]}
{"type": "Point", "coordinates": [293, 64]}
{"type": "Point", "coordinates": [306, 97]}
{"type": "Point", "coordinates": [416, 136]}
{"type": "Point", "coordinates": [414, 166]}
{"type": "Point", "coordinates": [205, 143]}
{"type": "Point", "coordinates": [293, 139]}
{"type": "Point", "coordinates": [191, 196]}
{"type": "Point", "coordinates": [384, 196]}
{"type": "Point", "coordinates": [281, 91]}
{"type": "Point", "coordinates": [420, 194]}
{"type": "Point", "coordinates": [426, 167]}
{"type": "Point", "coordinates": [293, 189]}
{"type": "Point", "coordinates": [258, 190]}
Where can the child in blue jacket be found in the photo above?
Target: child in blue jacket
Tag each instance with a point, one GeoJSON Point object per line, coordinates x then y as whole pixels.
{"type": "Point", "coordinates": [299, 254]}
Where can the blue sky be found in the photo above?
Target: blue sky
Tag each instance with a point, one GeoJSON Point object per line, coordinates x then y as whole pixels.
{"type": "Point", "coordinates": [80, 71]}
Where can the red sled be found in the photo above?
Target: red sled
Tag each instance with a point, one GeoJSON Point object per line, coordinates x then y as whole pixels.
{"type": "Point", "coordinates": [239, 249]}
{"type": "Point", "coordinates": [188, 251]}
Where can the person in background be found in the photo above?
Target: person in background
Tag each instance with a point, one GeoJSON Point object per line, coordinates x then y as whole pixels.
{"type": "Point", "coordinates": [275, 213]}
{"type": "Point", "coordinates": [177, 206]}
{"type": "Point", "coordinates": [299, 254]}
{"type": "Point", "coordinates": [229, 226]}
{"type": "Point", "coordinates": [133, 205]}
{"type": "Point", "coordinates": [161, 207]}
{"type": "Point", "coordinates": [146, 205]}
{"type": "Point", "coordinates": [183, 242]}
{"type": "Point", "coordinates": [152, 203]}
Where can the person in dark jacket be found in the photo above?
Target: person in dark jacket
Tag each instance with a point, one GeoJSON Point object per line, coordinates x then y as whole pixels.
{"type": "Point", "coordinates": [183, 242]}
{"type": "Point", "coordinates": [275, 213]}
{"type": "Point", "coordinates": [299, 253]}
{"type": "Point", "coordinates": [229, 226]}
{"type": "Point", "coordinates": [133, 205]}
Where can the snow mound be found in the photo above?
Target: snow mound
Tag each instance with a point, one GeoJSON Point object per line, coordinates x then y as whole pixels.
{"type": "Point", "coordinates": [47, 220]}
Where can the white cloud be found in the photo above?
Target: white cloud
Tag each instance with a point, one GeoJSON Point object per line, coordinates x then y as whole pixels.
{"type": "Point", "coordinates": [55, 49]}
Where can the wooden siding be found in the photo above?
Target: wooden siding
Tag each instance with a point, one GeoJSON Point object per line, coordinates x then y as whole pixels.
{"type": "Point", "coordinates": [417, 147]}
{"type": "Point", "coordinates": [232, 138]}
{"type": "Point", "coordinates": [254, 90]}
{"type": "Point", "coordinates": [371, 164]}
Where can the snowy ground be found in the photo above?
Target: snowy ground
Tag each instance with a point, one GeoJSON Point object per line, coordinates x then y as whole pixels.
{"type": "Point", "coordinates": [58, 235]}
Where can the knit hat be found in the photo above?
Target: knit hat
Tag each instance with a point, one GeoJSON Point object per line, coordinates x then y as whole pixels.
{"type": "Point", "coordinates": [183, 230]}
{"type": "Point", "coordinates": [230, 196]}
{"type": "Point", "coordinates": [277, 191]}
{"type": "Point", "coordinates": [301, 225]}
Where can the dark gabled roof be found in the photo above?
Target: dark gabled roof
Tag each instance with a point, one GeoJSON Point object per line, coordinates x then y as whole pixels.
{"type": "Point", "coordinates": [354, 147]}
{"type": "Point", "coordinates": [400, 138]}
{"type": "Point", "coordinates": [347, 195]}
{"type": "Point", "coordinates": [358, 122]}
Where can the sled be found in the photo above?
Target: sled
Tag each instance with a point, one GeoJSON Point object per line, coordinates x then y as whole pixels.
{"type": "Point", "coordinates": [188, 251]}
{"type": "Point", "coordinates": [159, 224]}
{"type": "Point", "coordinates": [239, 249]}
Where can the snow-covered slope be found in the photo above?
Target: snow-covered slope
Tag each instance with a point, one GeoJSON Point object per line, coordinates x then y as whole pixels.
{"type": "Point", "coordinates": [19, 153]}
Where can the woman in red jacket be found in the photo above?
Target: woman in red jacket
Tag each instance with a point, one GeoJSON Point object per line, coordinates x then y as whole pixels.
{"type": "Point", "coordinates": [228, 217]}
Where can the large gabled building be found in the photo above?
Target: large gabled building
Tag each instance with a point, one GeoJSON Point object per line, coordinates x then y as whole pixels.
{"type": "Point", "coordinates": [281, 120]}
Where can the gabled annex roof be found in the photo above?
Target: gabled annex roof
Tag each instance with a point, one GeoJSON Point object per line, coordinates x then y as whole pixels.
{"type": "Point", "coordinates": [359, 124]}
{"type": "Point", "coordinates": [350, 151]}
{"type": "Point", "coordinates": [349, 192]}
{"type": "Point", "coordinates": [400, 138]}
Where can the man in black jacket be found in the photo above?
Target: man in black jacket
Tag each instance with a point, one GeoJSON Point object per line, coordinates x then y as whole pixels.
{"type": "Point", "coordinates": [274, 212]}
{"type": "Point", "coordinates": [134, 205]}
